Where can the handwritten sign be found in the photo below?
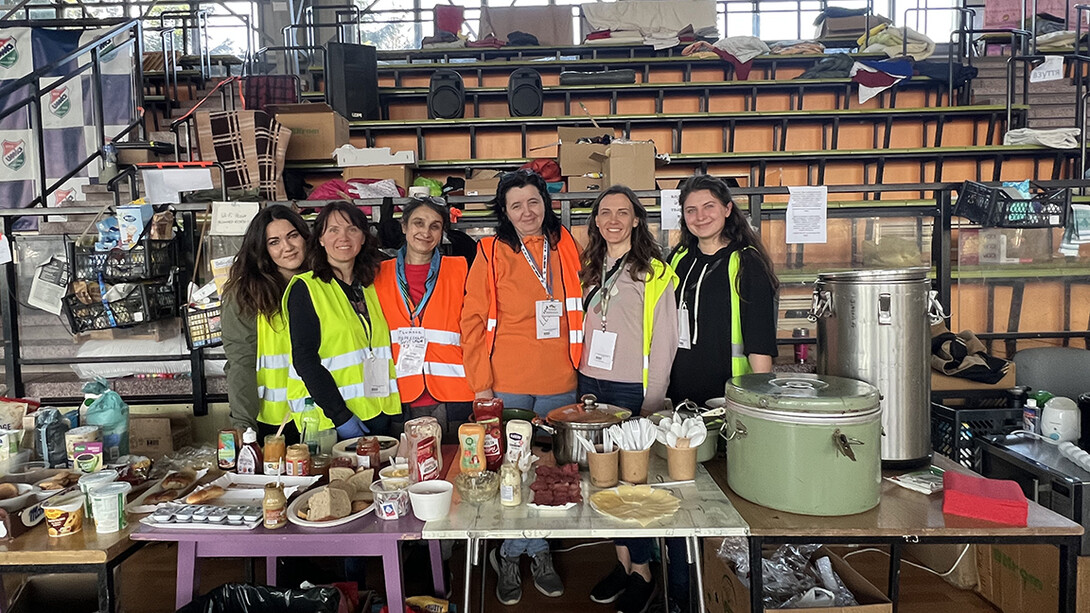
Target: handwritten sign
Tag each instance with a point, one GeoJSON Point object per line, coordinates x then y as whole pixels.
{"type": "Point", "coordinates": [807, 214]}
{"type": "Point", "coordinates": [670, 201]}
{"type": "Point", "coordinates": [232, 218]}
{"type": "Point", "coordinates": [1052, 69]}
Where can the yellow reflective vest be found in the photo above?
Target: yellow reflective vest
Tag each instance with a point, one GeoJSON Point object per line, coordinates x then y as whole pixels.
{"type": "Point", "coordinates": [344, 348]}
{"type": "Point", "coordinates": [655, 285]}
{"type": "Point", "coordinates": [273, 363]}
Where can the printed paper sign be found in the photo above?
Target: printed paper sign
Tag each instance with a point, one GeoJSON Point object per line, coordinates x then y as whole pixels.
{"type": "Point", "coordinates": [49, 285]}
{"type": "Point", "coordinates": [807, 214]}
{"type": "Point", "coordinates": [232, 218]}
{"type": "Point", "coordinates": [670, 201]}
{"type": "Point", "coordinates": [1052, 69]}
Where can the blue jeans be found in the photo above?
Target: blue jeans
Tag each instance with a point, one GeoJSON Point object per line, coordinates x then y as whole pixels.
{"type": "Point", "coordinates": [625, 395]}
{"type": "Point", "coordinates": [513, 548]}
{"type": "Point", "coordinates": [541, 405]}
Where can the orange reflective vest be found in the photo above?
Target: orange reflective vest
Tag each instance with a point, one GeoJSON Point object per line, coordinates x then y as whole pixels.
{"type": "Point", "coordinates": [444, 372]}
{"type": "Point", "coordinates": [571, 294]}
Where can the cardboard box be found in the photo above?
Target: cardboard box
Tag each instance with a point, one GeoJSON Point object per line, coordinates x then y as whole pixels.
{"type": "Point", "coordinates": [401, 174]}
{"type": "Point", "coordinates": [724, 592]}
{"type": "Point", "coordinates": [131, 220]}
{"type": "Point", "coordinates": [1019, 578]}
{"type": "Point", "coordinates": [855, 25]}
{"type": "Point", "coordinates": [155, 437]}
{"type": "Point", "coordinates": [347, 155]}
{"type": "Point", "coordinates": [575, 158]}
{"type": "Point", "coordinates": [316, 130]}
{"type": "Point", "coordinates": [481, 187]}
{"type": "Point", "coordinates": [586, 184]}
{"type": "Point", "coordinates": [629, 163]}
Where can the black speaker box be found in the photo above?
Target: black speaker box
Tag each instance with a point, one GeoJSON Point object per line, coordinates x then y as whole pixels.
{"type": "Point", "coordinates": [524, 95]}
{"type": "Point", "coordinates": [352, 80]}
{"type": "Point", "coordinates": [446, 95]}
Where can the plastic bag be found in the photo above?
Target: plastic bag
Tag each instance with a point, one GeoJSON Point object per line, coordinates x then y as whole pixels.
{"type": "Point", "coordinates": [792, 579]}
{"type": "Point", "coordinates": [244, 598]}
{"type": "Point", "coordinates": [110, 413]}
{"type": "Point", "coordinates": [49, 428]}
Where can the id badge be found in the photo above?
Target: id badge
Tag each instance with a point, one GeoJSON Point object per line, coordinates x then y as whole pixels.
{"type": "Point", "coordinates": [548, 318]}
{"type": "Point", "coordinates": [376, 377]}
{"type": "Point", "coordinates": [602, 344]}
{"type": "Point", "coordinates": [414, 345]}
{"type": "Point", "coordinates": [683, 337]}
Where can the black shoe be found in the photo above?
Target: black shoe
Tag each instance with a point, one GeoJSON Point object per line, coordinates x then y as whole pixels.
{"type": "Point", "coordinates": [611, 587]}
{"type": "Point", "coordinates": [637, 595]}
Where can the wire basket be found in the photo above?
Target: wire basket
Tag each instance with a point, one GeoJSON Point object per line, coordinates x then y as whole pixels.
{"type": "Point", "coordinates": [148, 259]}
{"type": "Point", "coordinates": [993, 207]}
{"type": "Point", "coordinates": [146, 302]}
{"type": "Point", "coordinates": [954, 431]}
{"type": "Point", "coordinates": [202, 326]}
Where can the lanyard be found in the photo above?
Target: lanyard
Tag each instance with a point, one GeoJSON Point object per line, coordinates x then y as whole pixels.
{"type": "Point", "coordinates": [358, 301]}
{"type": "Point", "coordinates": [607, 286]}
{"type": "Point", "coordinates": [417, 312]}
{"type": "Point", "coordinates": [546, 277]}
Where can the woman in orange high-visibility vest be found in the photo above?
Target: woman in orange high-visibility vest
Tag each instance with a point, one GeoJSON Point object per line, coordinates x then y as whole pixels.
{"type": "Point", "coordinates": [421, 294]}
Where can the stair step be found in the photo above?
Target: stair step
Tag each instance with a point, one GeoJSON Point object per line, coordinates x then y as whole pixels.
{"type": "Point", "coordinates": [1045, 123]}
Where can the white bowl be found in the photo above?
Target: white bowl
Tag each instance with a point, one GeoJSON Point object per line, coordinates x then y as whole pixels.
{"type": "Point", "coordinates": [18, 502]}
{"type": "Point", "coordinates": [431, 499]}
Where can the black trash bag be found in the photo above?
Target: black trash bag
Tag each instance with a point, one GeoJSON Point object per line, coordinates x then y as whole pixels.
{"type": "Point", "coordinates": [245, 598]}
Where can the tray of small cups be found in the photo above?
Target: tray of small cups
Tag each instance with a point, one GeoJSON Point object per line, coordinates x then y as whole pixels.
{"type": "Point", "coordinates": [204, 517]}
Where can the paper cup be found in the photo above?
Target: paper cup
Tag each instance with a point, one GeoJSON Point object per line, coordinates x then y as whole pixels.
{"type": "Point", "coordinates": [93, 480]}
{"type": "Point", "coordinates": [391, 498]}
{"type": "Point", "coordinates": [681, 463]}
{"type": "Point", "coordinates": [108, 502]}
{"type": "Point", "coordinates": [64, 517]}
{"type": "Point", "coordinates": [634, 465]}
{"type": "Point", "coordinates": [431, 499]}
{"type": "Point", "coordinates": [603, 467]}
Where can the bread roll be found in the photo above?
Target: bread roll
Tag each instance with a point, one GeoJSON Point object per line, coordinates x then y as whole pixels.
{"type": "Point", "coordinates": [178, 481]}
{"type": "Point", "coordinates": [205, 495]}
{"type": "Point", "coordinates": [8, 490]}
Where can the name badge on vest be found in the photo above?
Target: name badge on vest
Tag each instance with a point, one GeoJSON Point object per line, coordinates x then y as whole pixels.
{"type": "Point", "coordinates": [414, 344]}
{"type": "Point", "coordinates": [602, 344]}
{"type": "Point", "coordinates": [683, 337]}
{"type": "Point", "coordinates": [548, 318]}
{"type": "Point", "coordinates": [376, 376]}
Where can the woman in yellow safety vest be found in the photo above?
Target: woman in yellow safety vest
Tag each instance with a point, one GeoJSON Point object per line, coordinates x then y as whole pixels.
{"type": "Point", "coordinates": [340, 343]}
{"type": "Point", "coordinates": [630, 337]}
{"type": "Point", "coordinates": [421, 293]}
{"type": "Point", "coordinates": [255, 336]}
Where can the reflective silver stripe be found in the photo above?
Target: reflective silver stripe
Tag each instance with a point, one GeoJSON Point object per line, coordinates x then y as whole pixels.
{"type": "Point", "coordinates": [574, 304]}
{"type": "Point", "coordinates": [345, 360]}
{"type": "Point", "coordinates": [274, 361]}
{"type": "Point", "coordinates": [575, 336]}
{"type": "Point", "coordinates": [491, 324]}
{"type": "Point", "coordinates": [737, 350]}
{"type": "Point", "coordinates": [298, 405]}
{"type": "Point", "coordinates": [441, 369]}
{"type": "Point", "coordinates": [272, 394]}
{"type": "Point", "coordinates": [439, 337]}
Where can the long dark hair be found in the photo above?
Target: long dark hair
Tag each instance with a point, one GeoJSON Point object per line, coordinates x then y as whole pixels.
{"type": "Point", "coordinates": [736, 230]}
{"type": "Point", "coordinates": [550, 223]}
{"type": "Point", "coordinates": [367, 260]}
{"type": "Point", "coordinates": [643, 250]}
{"type": "Point", "coordinates": [254, 282]}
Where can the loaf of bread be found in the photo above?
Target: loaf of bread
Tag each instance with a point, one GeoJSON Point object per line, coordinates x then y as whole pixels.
{"type": "Point", "coordinates": [162, 496]}
{"type": "Point", "coordinates": [205, 495]}
{"type": "Point", "coordinates": [339, 473]}
{"type": "Point", "coordinates": [328, 504]}
{"type": "Point", "coordinates": [8, 490]}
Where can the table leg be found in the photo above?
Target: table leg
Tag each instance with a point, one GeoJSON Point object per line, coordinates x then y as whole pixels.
{"type": "Point", "coordinates": [3, 596]}
{"type": "Point", "coordinates": [1068, 570]}
{"type": "Point", "coordinates": [481, 556]}
{"type": "Point", "coordinates": [693, 546]}
{"type": "Point", "coordinates": [186, 582]}
{"type": "Point", "coordinates": [471, 558]}
{"type": "Point", "coordinates": [391, 567]}
{"type": "Point", "coordinates": [105, 589]}
{"type": "Point", "coordinates": [756, 575]}
{"type": "Point", "coordinates": [270, 571]}
{"type": "Point", "coordinates": [438, 580]}
{"type": "Point", "coordinates": [894, 573]}
{"type": "Point", "coordinates": [665, 574]}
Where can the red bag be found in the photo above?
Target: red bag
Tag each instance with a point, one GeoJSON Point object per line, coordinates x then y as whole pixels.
{"type": "Point", "coordinates": [547, 168]}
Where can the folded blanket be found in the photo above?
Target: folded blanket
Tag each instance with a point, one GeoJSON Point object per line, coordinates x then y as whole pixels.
{"type": "Point", "coordinates": [1057, 138]}
{"type": "Point", "coordinates": [963, 355]}
{"type": "Point", "coordinates": [891, 42]}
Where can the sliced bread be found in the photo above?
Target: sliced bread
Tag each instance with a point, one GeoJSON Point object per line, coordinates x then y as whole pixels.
{"type": "Point", "coordinates": [340, 473]}
{"type": "Point", "coordinates": [328, 504]}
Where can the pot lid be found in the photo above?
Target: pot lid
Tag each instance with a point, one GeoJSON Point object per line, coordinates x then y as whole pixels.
{"type": "Point", "coordinates": [915, 273]}
{"type": "Point", "coordinates": [803, 393]}
{"type": "Point", "coordinates": [589, 411]}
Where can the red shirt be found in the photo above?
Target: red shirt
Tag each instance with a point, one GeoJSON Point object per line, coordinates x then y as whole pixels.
{"type": "Point", "coordinates": [416, 275]}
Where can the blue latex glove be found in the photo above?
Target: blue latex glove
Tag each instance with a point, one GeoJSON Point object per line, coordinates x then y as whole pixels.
{"type": "Point", "coordinates": [351, 429]}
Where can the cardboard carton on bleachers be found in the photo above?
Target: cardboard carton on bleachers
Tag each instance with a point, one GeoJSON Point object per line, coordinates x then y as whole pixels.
{"type": "Point", "coordinates": [586, 184]}
{"type": "Point", "coordinates": [402, 174]}
{"type": "Point", "coordinates": [316, 130]}
{"type": "Point", "coordinates": [575, 158]}
{"type": "Point", "coordinates": [630, 163]}
{"type": "Point", "coordinates": [347, 155]}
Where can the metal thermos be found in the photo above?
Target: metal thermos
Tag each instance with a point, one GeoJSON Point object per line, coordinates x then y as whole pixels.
{"type": "Point", "coordinates": [875, 326]}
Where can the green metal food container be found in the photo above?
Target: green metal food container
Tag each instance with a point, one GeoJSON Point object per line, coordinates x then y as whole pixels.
{"type": "Point", "coordinates": [801, 443]}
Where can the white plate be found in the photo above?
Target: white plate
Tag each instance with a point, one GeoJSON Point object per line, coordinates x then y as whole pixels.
{"type": "Point", "coordinates": [250, 489]}
{"type": "Point", "coordinates": [199, 525]}
{"type": "Point", "coordinates": [138, 506]}
{"type": "Point", "coordinates": [20, 500]}
{"type": "Point", "coordinates": [301, 503]}
{"type": "Point", "coordinates": [559, 507]}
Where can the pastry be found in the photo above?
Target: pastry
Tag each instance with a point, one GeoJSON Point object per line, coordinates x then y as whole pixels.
{"type": "Point", "coordinates": [8, 490]}
{"type": "Point", "coordinates": [161, 496]}
{"type": "Point", "coordinates": [205, 495]}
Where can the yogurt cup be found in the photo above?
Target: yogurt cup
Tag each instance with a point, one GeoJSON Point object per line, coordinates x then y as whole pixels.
{"type": "Point", "coordinates": [108, 502]}
{"type": "Point", "coordinates": [93, 480]}
{"type": "Point", "coordinates": [64, 517]}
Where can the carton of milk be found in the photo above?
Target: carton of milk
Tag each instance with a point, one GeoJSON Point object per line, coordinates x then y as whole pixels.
{"type": "Point", "coordinates": [131, 220]}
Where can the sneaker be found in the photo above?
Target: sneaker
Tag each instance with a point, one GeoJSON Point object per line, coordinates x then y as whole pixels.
{"type": "Point", "coordinates": [545, 578]}
{"type": "Point", "coordinates": [637, 595]}
{"type": "Point", "coordinates": [509, 580]}
{"type": "Point", "coordinates": [610, 588]}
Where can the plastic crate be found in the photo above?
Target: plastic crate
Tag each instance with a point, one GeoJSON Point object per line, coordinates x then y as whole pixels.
{"type": "Point", "coordinates": [994, 208]}
{"type": "Point", "coordinates": [148, 302]}
{"type": "Point", "coordinates": [202, 326]}
{"type": "Point", "coordinates": [954, 431]}
{"type": "Point", "coordinates": [148, 259]}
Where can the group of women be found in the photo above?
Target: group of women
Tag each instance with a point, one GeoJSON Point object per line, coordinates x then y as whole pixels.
{"type": "Point", "coordinates": [535, 321]}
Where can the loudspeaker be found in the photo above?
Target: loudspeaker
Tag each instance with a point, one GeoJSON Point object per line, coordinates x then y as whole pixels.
{"type": "Point", "coordinates": [524, 95]}
{"type": "Point", "coordinates": [446, 95]}
{"type": "Point", "coordinates": [352, 80]}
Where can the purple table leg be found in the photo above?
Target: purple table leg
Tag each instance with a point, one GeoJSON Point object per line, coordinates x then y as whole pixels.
{"type": "Point", "coordinates": [438, 579]}
{"type": "Point", "coordinates": [270, 571]}
{"type": "Point", "coordinates": [186, 584]}
{"type": "Point", "coordinates": [391, 567]}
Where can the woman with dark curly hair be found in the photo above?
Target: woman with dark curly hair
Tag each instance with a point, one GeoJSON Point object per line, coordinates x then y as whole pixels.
{"type": "Point", "coordinates": [340, 342]}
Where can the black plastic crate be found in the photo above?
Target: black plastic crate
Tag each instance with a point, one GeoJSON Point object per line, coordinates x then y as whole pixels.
{"type": "Point", "coordinates": [148, 259]}
{"type": "Point", "coordinates": [954, 431]}
{"type": "Point", "coordinates": [148, 302]}
{"type": "Point", "coordinates": [992, 207]}
{"type": "Point", "coordinates": [202, 326]}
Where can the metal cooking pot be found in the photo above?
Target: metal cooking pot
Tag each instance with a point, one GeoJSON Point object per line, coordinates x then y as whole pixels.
{"type": "Point", "coordinates": [586, 421]}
